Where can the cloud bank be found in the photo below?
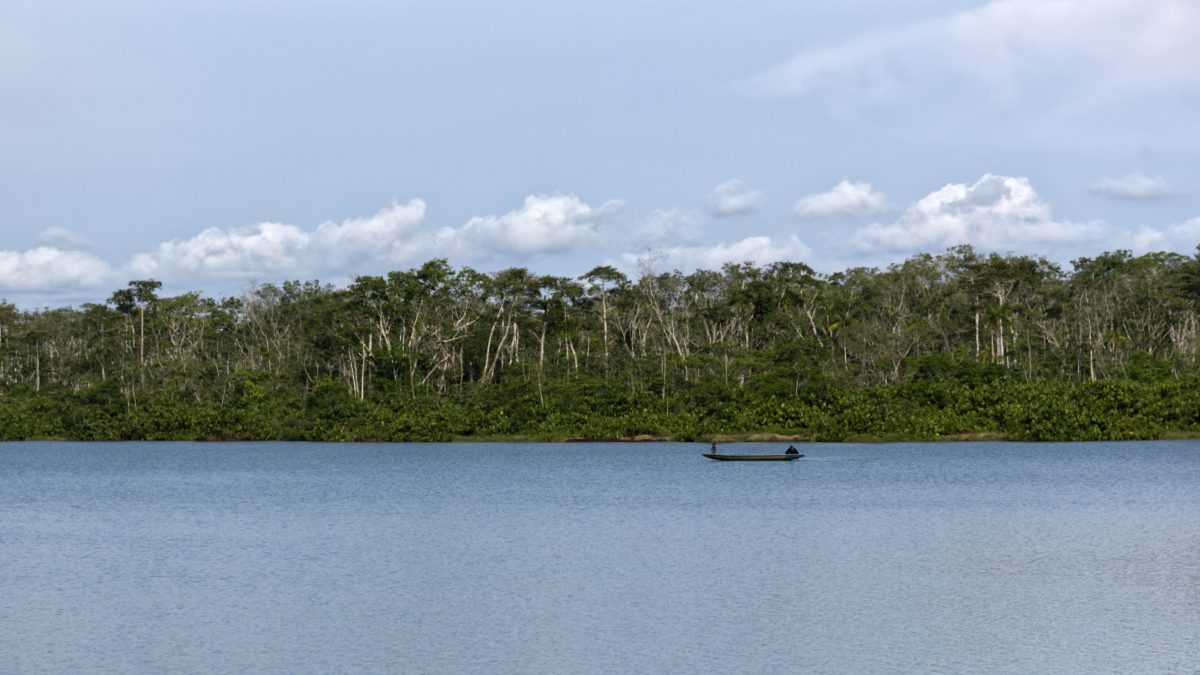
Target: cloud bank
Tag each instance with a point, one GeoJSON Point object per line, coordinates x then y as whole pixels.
{"type": "Point", "coordinates": [544, 224]}
{"type": "Point", "coordinates": [280, 248]}
{"type": "Point", "coordinates": [1000, 213]}
{"type": "Point", "coordinates": [761, 250]}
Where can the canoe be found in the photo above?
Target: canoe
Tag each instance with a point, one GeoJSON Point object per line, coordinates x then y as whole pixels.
{"type": "Point", "coordinates": [753, 458]}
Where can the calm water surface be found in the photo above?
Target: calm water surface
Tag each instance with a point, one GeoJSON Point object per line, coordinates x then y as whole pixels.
{"type": "Point", "coordinates": [511, 558]}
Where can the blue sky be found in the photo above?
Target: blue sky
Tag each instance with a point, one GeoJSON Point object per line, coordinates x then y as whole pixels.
{"type": "Point", "coordinates": [215, 144]}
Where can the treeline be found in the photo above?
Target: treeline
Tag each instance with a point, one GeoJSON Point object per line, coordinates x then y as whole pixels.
{"type": "Point", "coordinates": [937, 346]}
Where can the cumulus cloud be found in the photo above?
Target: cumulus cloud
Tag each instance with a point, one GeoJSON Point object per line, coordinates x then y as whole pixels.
{"type": "Point", "coordinates": [543, 224]}
{"type": "Point", "coordinates": [1104, 49]}
{"type": "Point", "coordinates": [845, 198]}
{"type": "Point", "coordinates": [51, 270]}
{"type": "Point", "coordinates": [393, 236]}
{"type": "Point", "coordinates": [761, 250]}
{"type": "Point", "coordinates": [733, 198]}
{"type": "Point", "coordinates": [273, 248]}
{"type": "Point", "coordinates": [997, 212]}
{"type": "Point", "coordinates": [264, 247]}
{"type": "Point", "coordinates": [379, 236]}
{"type": "Point", "coordinates": [1135, 186]}
{"type": "Point", "coordinates": [1180, 237]}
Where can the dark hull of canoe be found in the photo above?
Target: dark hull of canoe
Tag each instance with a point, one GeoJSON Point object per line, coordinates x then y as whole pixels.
{"type": "Point", "coordinates": [753, 458]}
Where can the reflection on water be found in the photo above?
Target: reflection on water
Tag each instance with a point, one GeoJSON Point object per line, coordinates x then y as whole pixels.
{"type": "Point", "coordinates": [132, 557]}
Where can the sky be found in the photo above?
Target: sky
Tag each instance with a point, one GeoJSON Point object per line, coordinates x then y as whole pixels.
{"type": "Point", "coordinates": [219, 144]}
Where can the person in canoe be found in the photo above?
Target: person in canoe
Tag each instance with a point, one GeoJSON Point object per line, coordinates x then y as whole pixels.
{"type": "Point", "coordinates": [714, 448]}
{"type": "Point", "coordinates": [792, 450]}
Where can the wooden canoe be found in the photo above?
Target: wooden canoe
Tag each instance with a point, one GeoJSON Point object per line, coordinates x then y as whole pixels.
{"type": "Point", "coordinates": [752, 458]}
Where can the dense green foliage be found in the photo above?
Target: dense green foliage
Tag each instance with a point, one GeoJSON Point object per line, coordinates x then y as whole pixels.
{"type": "Point", "coordinates": [935, 347]}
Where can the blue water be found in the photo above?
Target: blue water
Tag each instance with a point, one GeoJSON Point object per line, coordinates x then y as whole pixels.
{"type": "Point", "coordinates": [605, 558]}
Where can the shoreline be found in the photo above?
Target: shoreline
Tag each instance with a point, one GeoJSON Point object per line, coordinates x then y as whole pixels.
{"type": "Point", "coordinates": [755, 437]}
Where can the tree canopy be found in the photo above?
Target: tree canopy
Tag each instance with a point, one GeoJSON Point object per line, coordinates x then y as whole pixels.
{"type": "Point", "coordinates": [932, 347]}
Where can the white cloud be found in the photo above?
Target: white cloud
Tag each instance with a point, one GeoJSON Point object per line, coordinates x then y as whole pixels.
{"type": "Point", "coordinates": [544, 224]}
{"type": "Point", "coordinates": [667, 225]}
{"type": "Point", "coordinates": [733, 198]}
{"type": "Point", "coordinates": [51, 270]}
{"type": "Point", "coordinates": [265, 247]}
{"type": "Point", "coordinates": [845, 198]}
{"type": "Point", "coordinates": [1105, 49]}
{"type": "Point", "coordinates": [1180, 237]}
{"type": "Point", "coordinates": [379, 236]}
{"type": "Point", "coordinates": [275, 248]}
{"type": "Point", "coordinates": [1135, 186]}
{"type": "Point", "coordinates": [60, 238]}
{"type": "Point", "coordinates": [997, 212]}
{"type": "Point", "coordinates": [761, 250]}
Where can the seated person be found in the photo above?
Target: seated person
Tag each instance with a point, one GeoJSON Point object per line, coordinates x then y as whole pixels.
{"type": "Point", "coordinates": [792, 450]}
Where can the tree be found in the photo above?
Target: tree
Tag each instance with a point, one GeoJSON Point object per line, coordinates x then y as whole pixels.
{"type": "Point", "coordinates": [600, 282]}
{"type": "Point", "coordinates": [140, 295]}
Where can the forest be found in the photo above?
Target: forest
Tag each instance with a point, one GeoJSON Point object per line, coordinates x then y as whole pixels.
{"type": "Point", "coordinates": [949, 346]}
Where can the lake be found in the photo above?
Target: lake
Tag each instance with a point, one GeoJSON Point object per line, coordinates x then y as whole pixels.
{"type": "Point", "coordinates": [599, 558]}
